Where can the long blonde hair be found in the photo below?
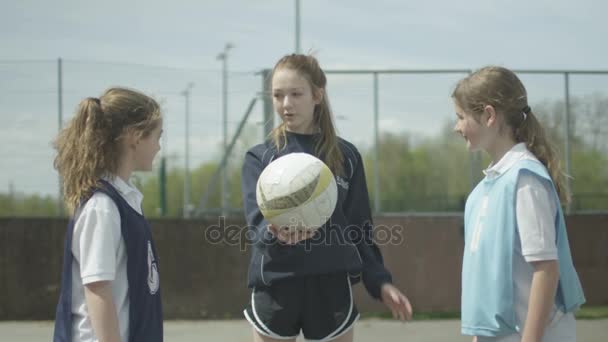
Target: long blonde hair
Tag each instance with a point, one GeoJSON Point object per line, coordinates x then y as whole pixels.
{"type": "Point", "coordinates": [502, 89]}
{"type": "Point", "coordinates": [89, 147]}
{"type": "Point", "coordinates": [327, 147]}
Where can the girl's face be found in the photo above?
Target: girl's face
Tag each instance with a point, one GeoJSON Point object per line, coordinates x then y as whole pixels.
{"type": "Point", "coordinates": [294, 100]}
{"type": "Point", "coordinates": [146, 149]}
{"type": "Point", "coordinates": [473, 132]}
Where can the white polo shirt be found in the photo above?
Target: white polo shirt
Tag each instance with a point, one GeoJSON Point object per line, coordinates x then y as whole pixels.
{"type": "Point", "coordinates": [99, 255]}
{"type": "Point", "coordinates": [535, 211]}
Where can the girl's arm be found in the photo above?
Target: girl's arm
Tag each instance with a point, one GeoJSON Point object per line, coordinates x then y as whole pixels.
{"type": "Point", "coordinates": [97, 238]}
{"type": "Point", "coordinates": [358, 214]}
{"type": "Point", "coordinates": [252, 168]}
{"type": "Point", "coordinates": [102, 311]}
{"type": "Point", "coordinates": [542, 296]}
{"type": "Point", "coordinates": [536, 209]}
{"type": "Point", "coordinates": [376, 277]}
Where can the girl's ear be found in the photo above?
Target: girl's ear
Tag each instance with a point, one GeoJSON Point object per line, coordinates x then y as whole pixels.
{"type": "Point", "coordinates": [490, 115]}
{"type": "Point", "coordinates": [318, 95]}
{"type": "Point", "coordinates": [131, 138]}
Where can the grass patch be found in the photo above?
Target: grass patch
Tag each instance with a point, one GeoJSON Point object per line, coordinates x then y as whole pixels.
{"type": "Point", "coordinates": [592, 312]}
{"type": "Point", "coordinates": [586, 312]}
{"type": "Point", "coordinates": [418, 316]}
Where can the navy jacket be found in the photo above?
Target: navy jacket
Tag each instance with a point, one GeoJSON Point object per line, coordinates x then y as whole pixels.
{"type": "Point", "coordinates": [343, 244]}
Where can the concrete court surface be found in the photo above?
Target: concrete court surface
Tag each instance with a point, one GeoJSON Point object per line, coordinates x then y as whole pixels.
{"type": "Point", "coordinates": [239, 330]}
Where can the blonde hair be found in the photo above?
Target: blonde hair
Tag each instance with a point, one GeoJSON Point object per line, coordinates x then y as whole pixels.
{"type": "Point", "coordinates": [327, 147]}
{"type": "Point", "coordinates": [89, 147]}
{"type": "Point", "coordinates": [503, 90]}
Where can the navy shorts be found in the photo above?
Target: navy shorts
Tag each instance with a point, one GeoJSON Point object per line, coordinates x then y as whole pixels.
{"type": "Point", "coordinates": [321, 306]}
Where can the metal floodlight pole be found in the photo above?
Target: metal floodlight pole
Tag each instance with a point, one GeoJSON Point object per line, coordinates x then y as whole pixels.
{"type": "Point", "coordinates": [223, 56]}
{"type": "Point", "coordinates": [297, 28]}
{"type": "Point", "coordinates": [377, 204]}
{"type": "Point", "coordinates": [567, 142]}
{"type": "Point", "coordinates": [268, 111]}
{"type": "Point", "coordinates": [60, 126]}
{"type": "Point", "coordinates": [186, 208]}
{"type": "Point", "coordinates": [202, 207]}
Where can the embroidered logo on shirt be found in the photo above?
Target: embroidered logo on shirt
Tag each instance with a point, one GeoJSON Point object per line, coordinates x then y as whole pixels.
{"type": "Point", "coordinates": [153, 278]}
{"type": "Point", "coordinates": [341, 182]}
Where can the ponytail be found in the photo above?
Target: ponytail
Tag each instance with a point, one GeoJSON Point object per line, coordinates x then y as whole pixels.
{"type": "Point", "coordinates": [503, 90]}
{"type": "Point", "coordinates": [89, 147]}
{"type": "Point", "coordinates": [533, 135]}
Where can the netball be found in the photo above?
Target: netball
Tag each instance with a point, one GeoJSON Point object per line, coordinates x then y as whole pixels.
{"type": "Point", "coordinates": [297, 191]}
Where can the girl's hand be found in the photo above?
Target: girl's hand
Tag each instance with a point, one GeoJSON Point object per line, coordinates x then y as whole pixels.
{"type": "Point", "coordinates": [396, 301]}
{"type": "Point", "coordinates": [291, 237]}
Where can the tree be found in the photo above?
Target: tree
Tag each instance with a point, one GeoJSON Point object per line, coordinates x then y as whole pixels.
{"type": "Point", "coordinates": [588, 146]}
{"type": "Point", "coordinates": [432, 175]}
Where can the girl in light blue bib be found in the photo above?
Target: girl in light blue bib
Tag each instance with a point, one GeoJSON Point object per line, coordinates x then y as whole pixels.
{"type": "Point", "coordinates": [518, 280]}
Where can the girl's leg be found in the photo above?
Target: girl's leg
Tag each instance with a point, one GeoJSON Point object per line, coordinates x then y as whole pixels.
{"type": "Point", "coordinates": [347, 337]}
{"type": "Point", "coordinates": [257, 337]}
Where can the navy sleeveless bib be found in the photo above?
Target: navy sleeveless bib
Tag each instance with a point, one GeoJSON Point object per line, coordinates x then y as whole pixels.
{"type": "Point", "coordinates": [145, 307]}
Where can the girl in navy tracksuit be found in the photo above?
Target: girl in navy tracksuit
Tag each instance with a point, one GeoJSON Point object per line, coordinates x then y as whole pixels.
{"type": "Point", "coordinates": [301, 281]}
{"type": "Point", "coordinates": [110, 289]}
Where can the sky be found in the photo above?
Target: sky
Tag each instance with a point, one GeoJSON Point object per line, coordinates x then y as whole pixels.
{"type": "Point", "coordinates": [160, 47]}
